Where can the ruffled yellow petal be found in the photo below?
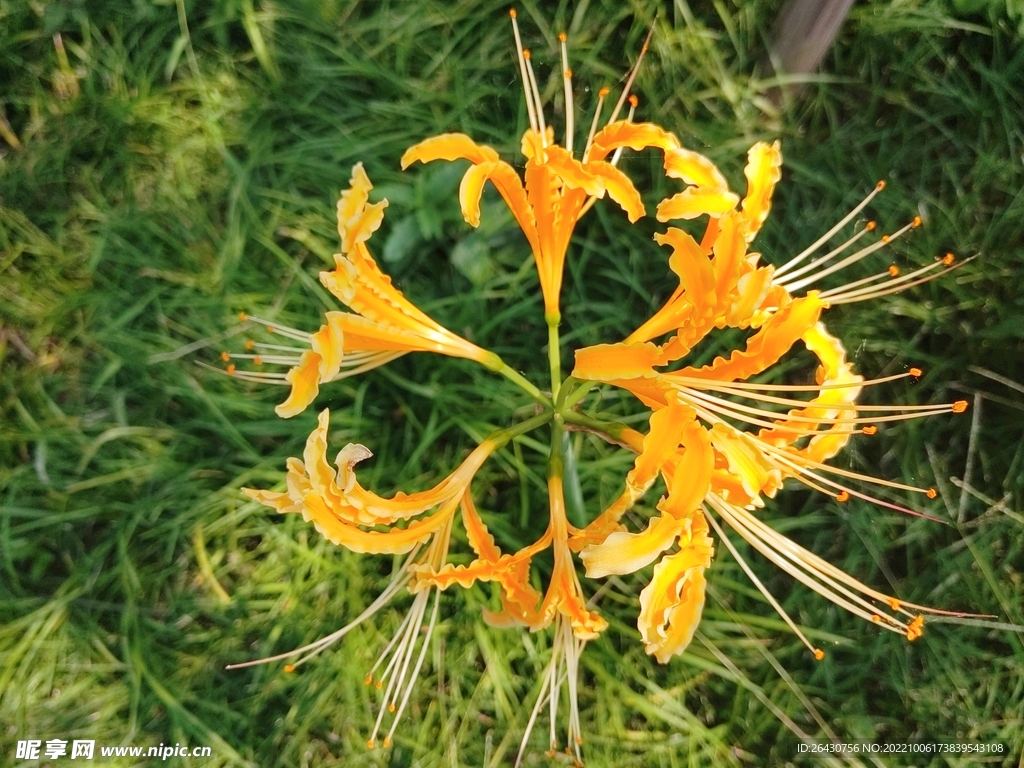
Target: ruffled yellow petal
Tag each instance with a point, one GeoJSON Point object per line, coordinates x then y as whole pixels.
{"type": "Point", "coordinates": [571, 172]}
{"type": "Point", "coordinates": [601, 557]}
{"type": "Point", "coordinates": [671, 605]}
{"type": "Point", "coordinates": [767, 346]}
{"type": "Point", "coordinates": [622, 552]}
{"type": "Point", "coordinates": [695, 298]}
{"type": "Point", "coordinates": [693, 168]}
{"type": "Point", "coordinates": [329, 343]}
{"type": "Point", "coordinates": [620, 189]}
{"type": "Point", "coordinates": [763, 171]}
{"type": "Point", "coordinates": [746, 463]}
{"type": "Point", "coordinates": [694, 202]}
{"type": "Point", "coordinates": [636, 136]}
{"type": "Point", "coordinates": [357, 219]}
{"type": "Point", "coordinates": [448, 146]}
{"type": "Point", "coordinates": [305, 382]}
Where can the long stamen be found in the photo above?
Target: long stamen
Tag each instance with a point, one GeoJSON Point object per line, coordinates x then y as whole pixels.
{"type": "Point", "coordinates": [632, 74]}
{"type": "Point", "coordinates": [538, 104]}
{"type": "Point", "coordinates": [633, 102]}
{"type": "Point", "coordinates": [818, 653]}
{"type": "Point", "coordinates": [522, 56]}
{"type": "Point", "coordinates": [567, 84]}
{"type": "Point", "coordinates": [601, 95]}
{"type": "Point", "coordinates": [708, 384]}
{"type": "Point", "coordinates": [271, 327]}
{"type": "Point", "coordinates": [891, 272]}
{"type": "Point", "coordinates": [863, 253]}
{"type": "Point", "coordinates": [828, 235]}
{"type": "Point", "coordinates": [799, 564]}
{"type": "Point", "coordinates": [901, 284]}
{"type": "Point", "coordinates": [792, 403]}
{"type": "Point", "coordinates": [398, 581]}
{"type": "Point", "coordinates": [869, 227]}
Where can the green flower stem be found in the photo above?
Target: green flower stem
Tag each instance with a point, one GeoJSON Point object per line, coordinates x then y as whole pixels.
{"type": "Point", "coordinates": [556, 465]}
{"type": "Point", "coordinates": [614, 430]}
{"type": "Point", "coordinates": [524, 384]}
{"type": "Point", "coordinates": [501, 437]}
{"type": "Point", "coordinates": [554, 352]}
{"type": "Point", "coordinates": [573, 391]}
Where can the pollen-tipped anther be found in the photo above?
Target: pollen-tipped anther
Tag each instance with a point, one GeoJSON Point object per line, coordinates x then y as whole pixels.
{"type": "Point", "coordinates": [948, 260]}
{"type": "Point", "coordinates": [959, 406]}
{"type": "Point", "coordinates": [818, 654]}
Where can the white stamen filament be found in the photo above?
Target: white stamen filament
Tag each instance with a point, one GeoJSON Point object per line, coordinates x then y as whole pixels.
{"type": "Point", "coordinates": [521, 55]}
{"type": "Point", "coordinates": [593, 125]}
{"type": "Point", "coordinates": [632, 75]}
{"type": "Point", "coordinates": [538, 104]}
{"type": "Point", "coordinates": [757, 583]}
{"type": "Point", "coordinates": [831, 254]}
{"type": "Point", "coordinates": [828, 235]}
{"type": "Point", "coordinates": [863, 253]}
{"type": "Point", "coordinates": [802, 566]}
{"type": "Point", "coordinates": [895, 286]}
{"type": "Point", "coordinates": [567, 84]}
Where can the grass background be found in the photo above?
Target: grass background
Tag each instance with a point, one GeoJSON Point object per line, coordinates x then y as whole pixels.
{"type": "Point", "coordinates": [180, 163]}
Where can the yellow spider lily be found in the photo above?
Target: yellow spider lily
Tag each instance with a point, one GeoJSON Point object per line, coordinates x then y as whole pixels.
{"type": "Point", "coordinates": [720, 441]}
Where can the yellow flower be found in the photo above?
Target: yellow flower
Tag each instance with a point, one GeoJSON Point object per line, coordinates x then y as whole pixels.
{"type": "Point", "coordinates": [384, 324]}
{"type": "Point", "coordinates": [720, 441]}
{"type": "Point", "coordinates": [730, 468]}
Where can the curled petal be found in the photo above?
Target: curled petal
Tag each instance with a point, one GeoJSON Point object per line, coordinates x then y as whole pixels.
{"type": "Point", "coordinates": [695, 169]}
{"type": "Point", "coordinates": [767, 346]}
{"type": "Point", "coordinates": [623, 552]}
{"type": "Point", "coordinates": [329, 343]}
{"type": "Point", "coordinates": [393, 542]}
{"type": "Point", "coordinates": [763, 171]}
{"type": "Point", "coordinates": [448, 146]}
{"type": "Point", "coordinates": [620, 189]}
{"type": "Point", "coordinates": [636, 136]}
{"type": "Point", "coordinates": [305, 381]}
{"type": "Point", "coordinates": [671, 605]}
{"type": "Point", "coordinates": [746, 463]}
{"type": "Point", "coordinates": [572, 173]}
{"type": "Point", "coordinates": [659, 445]}
{"type": "Point", "coordinates": [694, 202]}
{"type": "Point", "coordinates": [357, 219]}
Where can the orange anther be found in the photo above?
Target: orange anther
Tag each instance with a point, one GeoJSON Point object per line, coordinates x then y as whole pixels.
{"type": "Point", "coordinates": [370, 744]}
{"type": "Point", "coordinates": [289, 668]}
{"type": "Point", "coordinates": [604, 91]}
{"type": "Point", "coordinates": [270, 329]}
{"type": "Point", "coordinates": [917, 222]}
{"type": "Point", "coordinates": [250, 344]}
{"type": "Point", "coordinates": [225, 356]}
{"type": "Point", "coordinates": [959, 406]}
{"type": "Point", "coordinates": [870, 429]}
{"type": "Point", "coordinates": [231, 369]}
{"type": "Point", "coordinates": [894, 271]}
{"type": "Point", "coordinates": [880, 185]}
{"type": "Point", "coordinates": [843, 496]}
{"type": "Point", "coordinates": [391, 708]}
{"type": "Point", "coordinates": [916, 373]}
{"type": "Point", "coordinates": [242, 316]}
{"type": "Point", "coordinates": [931, 493]}
{"type": "Point", "coordinates": [387, 742]}
{"type": "Point", "coordinates": [258, 360]}
{"type": "Point", "coordinates": [885, 238]}
{"type": "Point", "coordinates": [870, 226]}
{"type": "Point", "coordinates": [633, 101]}
{"type": "Point", "coordinates": [380, 684]}
{"type": "Point", "coordinates": [948, 260]}
{"type": "Point", "coordinates": [368, 680]}
{"type": "Point", "coordinates": [876, 618]}
{"type": "Point", "coordinates": [818, 654]}
{"type": "Point", "coordinates": [568, 73]}
{"type": "Point", "coordinates": [526, 53]}
{"type": "Point", "coordinates": [562, 37]}
{"type": "Point", "coordinates": [579, 741]}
